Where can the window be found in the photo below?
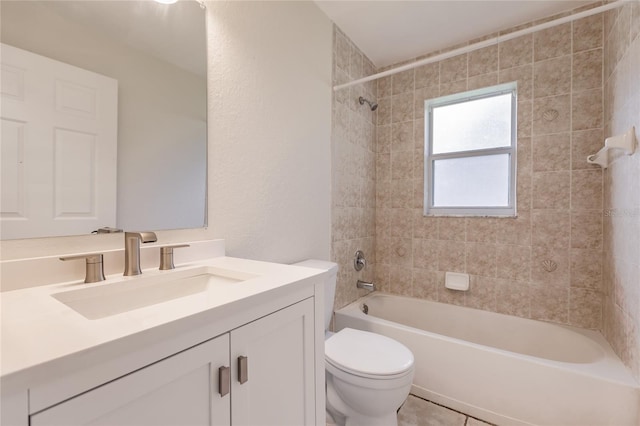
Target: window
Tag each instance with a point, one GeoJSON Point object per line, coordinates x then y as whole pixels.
{"type": "Point", "coordinates": [470, 153]}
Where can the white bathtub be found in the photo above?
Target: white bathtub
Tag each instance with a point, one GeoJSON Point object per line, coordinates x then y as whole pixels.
{"type": "Point", "coordinates": [504, 369]}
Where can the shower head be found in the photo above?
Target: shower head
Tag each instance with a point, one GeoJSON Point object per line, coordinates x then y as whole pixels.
{"type": "Point", "coordinates": [372, 105]}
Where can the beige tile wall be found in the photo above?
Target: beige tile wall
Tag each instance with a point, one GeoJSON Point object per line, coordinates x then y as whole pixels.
{"type": "Point", "coordinates": [354, 171]}
{"type": "Point", "coordinates": [560, 122]}
{"type": "Point", "coordinates": [622, 186]}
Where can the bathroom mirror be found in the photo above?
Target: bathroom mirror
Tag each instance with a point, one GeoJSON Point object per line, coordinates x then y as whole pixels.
{"type": "Point", "coordinates": [153, 59]}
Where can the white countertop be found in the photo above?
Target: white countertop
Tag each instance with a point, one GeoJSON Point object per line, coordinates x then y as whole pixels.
{"type": "Point", "coordinates": [37, 329]}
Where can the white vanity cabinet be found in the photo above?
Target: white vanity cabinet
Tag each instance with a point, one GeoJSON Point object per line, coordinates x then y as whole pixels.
{"type": "Point", "coordinates": [269, 364]}
{"type": "Point", "coordinates": [281, 365]}
{"type": "Point", "coordinates": [181, 389]}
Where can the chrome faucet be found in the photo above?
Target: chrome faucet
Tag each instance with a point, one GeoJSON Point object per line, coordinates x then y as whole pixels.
{"type": "Point", "coordinates": [132, 242]}
{"type": "Point", "coordinates": [366, 285]}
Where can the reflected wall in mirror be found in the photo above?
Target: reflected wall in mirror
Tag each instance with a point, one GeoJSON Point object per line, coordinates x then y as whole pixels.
{"type": "Point", "coordinates": [151, 57]}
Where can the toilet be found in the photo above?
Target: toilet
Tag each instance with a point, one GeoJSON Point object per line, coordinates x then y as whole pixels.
{"type": "Point", "coordinates": [368, 376]}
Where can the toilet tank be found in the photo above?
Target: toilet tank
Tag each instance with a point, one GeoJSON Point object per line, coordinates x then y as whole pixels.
{"type": "Point", "coordinates": [329, 285]}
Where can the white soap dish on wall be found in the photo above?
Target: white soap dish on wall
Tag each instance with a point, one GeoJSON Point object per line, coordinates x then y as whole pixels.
{"type": "Point", "coordinates": [456, 281]}
{"type": "Point", "coordinates": [625, 142]}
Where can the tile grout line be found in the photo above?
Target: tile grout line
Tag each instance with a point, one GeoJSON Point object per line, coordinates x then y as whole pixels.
{"type": "Point", "coordinates": [571, 177]}
{"type": "Point", "coordinates": [467, 416]}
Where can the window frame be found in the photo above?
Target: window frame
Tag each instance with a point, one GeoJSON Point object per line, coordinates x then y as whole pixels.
{"type": "Point", "coordinates": [430, 157]}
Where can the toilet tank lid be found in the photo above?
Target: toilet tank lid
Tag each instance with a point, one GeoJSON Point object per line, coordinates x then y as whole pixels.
{"type": "Point", "coordinates": [319, 264]}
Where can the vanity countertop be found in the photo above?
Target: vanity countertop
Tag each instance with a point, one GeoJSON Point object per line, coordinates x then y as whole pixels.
{"type": "Point", "coordinates": [40, 333]}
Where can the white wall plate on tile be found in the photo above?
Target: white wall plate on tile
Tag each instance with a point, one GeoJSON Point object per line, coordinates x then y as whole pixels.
{"type": "Point", "coordinates": [456, 281]}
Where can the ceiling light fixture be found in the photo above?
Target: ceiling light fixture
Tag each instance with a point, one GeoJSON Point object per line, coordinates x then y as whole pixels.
{"type": "Point", "coordinates": [166, 1]}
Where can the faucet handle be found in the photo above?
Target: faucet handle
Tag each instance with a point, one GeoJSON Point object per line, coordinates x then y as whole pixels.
{"type": "Point", "coordinates": [359, 262]}
{"type": "Point", "coordinates": [94, 267]}
{"type": "Point", "coordinates": [166, 256]}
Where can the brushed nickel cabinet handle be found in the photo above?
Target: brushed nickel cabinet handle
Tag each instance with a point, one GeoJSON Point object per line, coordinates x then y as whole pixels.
{"type": "Point", "coordinates": [224, 380]}
{"type": "Point", "coordinates": [243, 369]}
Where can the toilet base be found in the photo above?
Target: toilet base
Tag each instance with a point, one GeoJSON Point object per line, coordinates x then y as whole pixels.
{"type": "Point", "coordinates": [358, 420]}
{"type": "Point", "coordinates": [336, 409]}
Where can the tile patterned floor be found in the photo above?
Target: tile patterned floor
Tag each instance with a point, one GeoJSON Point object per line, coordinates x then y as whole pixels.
{"type": "Point", "coordinates": [420, 412]}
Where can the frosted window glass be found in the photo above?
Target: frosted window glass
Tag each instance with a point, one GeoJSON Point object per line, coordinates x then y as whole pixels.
{"type": "Point", "coordinates": [481, 181]}
{"type": "Point", "coordinates": [476, 124]}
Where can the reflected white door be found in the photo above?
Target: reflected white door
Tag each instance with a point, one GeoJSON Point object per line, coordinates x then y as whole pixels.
{"type": "Point", "coordinates": [59, 147]}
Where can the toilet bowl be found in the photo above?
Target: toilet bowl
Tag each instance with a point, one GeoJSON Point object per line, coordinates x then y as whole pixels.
{"type": "Point", "coordinates": [368, 376]}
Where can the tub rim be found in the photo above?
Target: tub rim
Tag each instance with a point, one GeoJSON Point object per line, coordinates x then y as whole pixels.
{"type": "Point", "coordinates": [609, 367]}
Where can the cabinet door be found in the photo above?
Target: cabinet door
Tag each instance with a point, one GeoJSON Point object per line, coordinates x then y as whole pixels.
{"type": "Point", "coordinates": [180, 390]}
{"type": "Point", "coordinates": [280, 379]}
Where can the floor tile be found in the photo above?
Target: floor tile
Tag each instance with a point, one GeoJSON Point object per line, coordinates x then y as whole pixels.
{"type": "Point", "coordinates": [419, 412]}
{"type": "Point", "coordinates": [475, 422]}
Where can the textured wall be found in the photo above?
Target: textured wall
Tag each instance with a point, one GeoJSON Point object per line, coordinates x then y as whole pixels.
{"type": "Point", "coordinates": [269, 147]}
{"type": "Point", "coordinates": [622, 186]}
{"type": "Point", "coordinates": [560, 122]}
{"type": "Point", "coordinates": [354, 171]}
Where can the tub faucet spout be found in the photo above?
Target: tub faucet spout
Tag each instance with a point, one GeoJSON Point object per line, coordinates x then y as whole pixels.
{"type": "Point", "coordinates": [132, 242]}
{"type": "Point", "coordinates": [366, 285]}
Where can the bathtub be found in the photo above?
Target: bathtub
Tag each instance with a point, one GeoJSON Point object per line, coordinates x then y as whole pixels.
{"type": "Point", "coordinates": [503, 369]}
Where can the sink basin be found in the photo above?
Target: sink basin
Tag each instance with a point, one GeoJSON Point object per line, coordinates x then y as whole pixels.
{"type": "Point", "coordinates": [109, 299]}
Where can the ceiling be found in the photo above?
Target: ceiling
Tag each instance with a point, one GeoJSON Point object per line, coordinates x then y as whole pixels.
{"type": "Point", "coordinates": [392, 31]}
{"type": "Point", "coordinates": [171, 33]}
{"type": "Point", "coordinates": [387, 31]}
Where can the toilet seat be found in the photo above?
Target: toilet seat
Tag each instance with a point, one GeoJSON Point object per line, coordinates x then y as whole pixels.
{"type": "Point", "coordinates": [368, 355]}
